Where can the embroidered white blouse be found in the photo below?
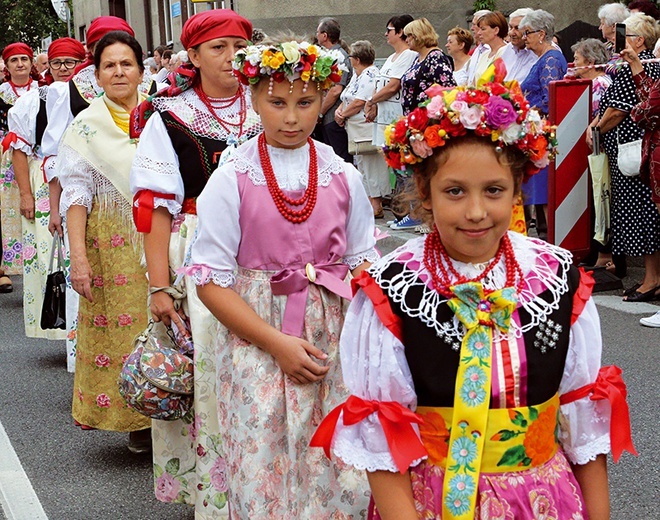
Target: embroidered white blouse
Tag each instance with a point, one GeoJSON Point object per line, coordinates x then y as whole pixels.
{"type": "Point", "coordinates": [375, 367]}
{"type": "Point", "coordinates": [217, 246]}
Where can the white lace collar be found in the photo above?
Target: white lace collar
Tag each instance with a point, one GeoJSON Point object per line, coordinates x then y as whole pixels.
{"type": "Point", "coordinates": [291, 167]}
{"type": "Point", "coordinates": [189, 109]}
{"type": "Point", "coordinates": [538, 260]}
{"type": "Point", "coordinates": [9, 96]}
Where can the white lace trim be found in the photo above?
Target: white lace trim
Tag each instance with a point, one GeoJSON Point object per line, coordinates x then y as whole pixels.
{"type": "Point", "coordinates": [352, 261]}
{"type": "Point", "coordinates": [154, 165]}
{"type": "Point", "coordinates": [533, 256]}
{"type": "Point", "coordinates": [362, 459]}
{"type": "Point", "coordinates": [221, 278]}
{"type": "Point", "coordinates": [588, 452]}
{"type": "Point", "coordinates": [172, 205]}
{"type": "Point", "coordinates": [189, 109]}
{"type": "Point", "coordinates": [291, 166]}
{"type": "Point", "coordinates": [8, 95]}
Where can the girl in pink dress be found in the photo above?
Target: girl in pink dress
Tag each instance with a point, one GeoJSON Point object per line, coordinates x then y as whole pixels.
{"type": "Point", "coordinates": [281, 225]}
{"type": "Point", "coordinates": [473, 354]}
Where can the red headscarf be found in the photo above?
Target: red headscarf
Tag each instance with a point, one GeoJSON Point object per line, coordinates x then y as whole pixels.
{"type": "Point", "coordinates": [214, 23]}
{"type": "Point", "coordinates": [17, 48]}
{"type": "Point", "coordinates": [60, 48]}
{"type": "Point", "coordinates": [66, 47]}
{"type": "Point", "coordinates": [103, 25]}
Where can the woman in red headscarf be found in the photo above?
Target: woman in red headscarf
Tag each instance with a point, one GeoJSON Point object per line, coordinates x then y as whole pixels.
{"type": "Point", "coordinates": [66, 101]}
{"type": "Point", "coordinates": [20, 77]}
{"type": "Point", "coordinates": [190, 125]}
{"type": "Point", "coordinates": [26, 121]}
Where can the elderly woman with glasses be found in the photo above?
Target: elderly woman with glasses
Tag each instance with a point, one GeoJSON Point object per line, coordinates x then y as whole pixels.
{"type": "Point", "coordinates": [538, 28]}
{"type": "Point", "coordinates": [635, 221]}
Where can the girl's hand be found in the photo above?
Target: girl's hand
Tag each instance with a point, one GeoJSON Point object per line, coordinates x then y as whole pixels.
{"type": "Point", "coordinates": [27, 206]}
{"type": "Point", "coordinates": [294, 356]}
{"type": "Point", "coordinates": [81, 277]}
{"type": "Point", "coordinates": [162, 309]}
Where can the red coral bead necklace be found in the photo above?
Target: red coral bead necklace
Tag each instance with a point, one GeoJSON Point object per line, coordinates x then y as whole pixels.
{"type": "Point", "coordinates": [436, 258]}
{"type": "Point", "coordinates": [219, 104]}
{"type": "Point", "coordinates": [283, 201]}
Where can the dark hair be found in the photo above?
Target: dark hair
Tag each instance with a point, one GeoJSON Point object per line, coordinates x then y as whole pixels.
{"type": "Point", "coordinates": [496, 19]}
{"type": "Point", "coordinates": [167, 54]}
{"type": "Point", "coordinates": [419, 191]}
{"type": "Point", "coordinates": [399, 22]}
{"type": "Point", "coordinates": [118, 37]}
{"type": "Point", "coordinates": [331, 27]}
{"type": "Point", "coordinates": [160, 50]}
{"type": "Point", "coordinates": [646, 7]}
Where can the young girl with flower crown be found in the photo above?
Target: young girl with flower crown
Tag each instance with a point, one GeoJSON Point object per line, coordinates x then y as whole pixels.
{"type": "Point", "coordinates": [473, 354]}
{"type": "Point", "coordinates": [280, 226]}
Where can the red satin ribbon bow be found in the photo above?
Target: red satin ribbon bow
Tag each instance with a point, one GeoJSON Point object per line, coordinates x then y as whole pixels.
{"type": "Point", "coordinates": [405, 446]}
{"type": "Point", "coordinates": [143, 208]}
{"type": "Point", "coordinates": [8, 140]}
{"type": "Point", "coordinates": [610, 385]}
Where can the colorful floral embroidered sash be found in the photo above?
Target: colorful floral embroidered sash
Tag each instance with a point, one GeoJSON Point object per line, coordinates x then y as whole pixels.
{"type": "Point", "coordinates": [480, 313]}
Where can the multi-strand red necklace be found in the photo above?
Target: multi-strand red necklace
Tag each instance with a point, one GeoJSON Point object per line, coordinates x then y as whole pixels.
{"type": "Point", "coordinates": [14, 87]}
{"type": "Point", "coordinates": [436, 258]}
{"type": "Point", "coordinates": [283, 201]}
{"type": "Point", "coordinates": [220, 104]}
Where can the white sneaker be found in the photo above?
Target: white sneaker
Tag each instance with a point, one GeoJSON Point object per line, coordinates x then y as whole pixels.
{"type": "Point", "coordinates": [651, 321]}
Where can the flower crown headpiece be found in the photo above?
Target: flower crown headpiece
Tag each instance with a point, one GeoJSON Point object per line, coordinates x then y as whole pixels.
{"type": "Point", "coordinates": [493, 108]}
{"type": "Point", "coordinates": [289, 61]}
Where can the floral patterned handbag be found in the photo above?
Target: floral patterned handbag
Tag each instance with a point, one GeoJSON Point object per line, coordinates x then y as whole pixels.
{"type": "Point", "coordinates": [157, 377]}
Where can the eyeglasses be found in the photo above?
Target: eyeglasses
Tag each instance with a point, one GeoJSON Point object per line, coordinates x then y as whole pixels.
{"type": "Point", "coordinates": [390, 29]}
{"type": "Point", "coordinates": [527, 33]}
{"type": "Point", "coordinates": [68, 64]}
{"type": "Point", "coordinates": [632, 36]}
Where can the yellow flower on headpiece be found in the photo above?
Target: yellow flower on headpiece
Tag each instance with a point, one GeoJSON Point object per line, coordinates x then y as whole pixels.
{"type": "Point", "coordinates": [277, 60]}
{"type": "Point", "coordinates": [305, 75]}
{"type": "Point", "coordinates": [265, 58]}
{"type": "Point", "coordinates": [450, 97]}
{"type": "Point", "coordinates": [313, 49]}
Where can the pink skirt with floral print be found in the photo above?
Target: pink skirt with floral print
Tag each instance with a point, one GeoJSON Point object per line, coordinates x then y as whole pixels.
{"type": "Point", "coordinates": [548, 492]}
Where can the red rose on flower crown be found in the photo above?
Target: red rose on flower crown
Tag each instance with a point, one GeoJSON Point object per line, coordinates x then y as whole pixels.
{"type": "Point", "coordinates": [493, 108]}
{"type": "Point", "coordinates": [289, 61]}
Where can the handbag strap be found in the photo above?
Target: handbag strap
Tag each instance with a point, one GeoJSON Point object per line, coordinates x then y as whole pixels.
{"type": "Point", "coordinates": [56, 247]}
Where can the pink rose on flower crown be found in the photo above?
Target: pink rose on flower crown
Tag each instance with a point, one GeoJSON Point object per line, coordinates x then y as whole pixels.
{"type": "Point", "coordinates": [458, 106]}
{"type": "Point", "coordinates": [436, 107]}
{"type": "Point", "coordinates": [471, 117]}
{"type": "Point", "coordinates": [499, 112]}
{"type": "Point", "coordinates": [421, 148]}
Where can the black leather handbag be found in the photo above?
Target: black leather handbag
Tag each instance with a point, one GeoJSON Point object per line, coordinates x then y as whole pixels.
{"type": "Point", "coordinates": [53, 311]}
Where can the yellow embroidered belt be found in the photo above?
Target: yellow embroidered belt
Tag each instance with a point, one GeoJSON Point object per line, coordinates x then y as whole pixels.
{"type": "Point", "coordinates": [517, 439]}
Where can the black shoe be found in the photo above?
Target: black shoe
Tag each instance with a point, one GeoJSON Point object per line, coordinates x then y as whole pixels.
{"type": "Point", "coordinates": [140, 441]}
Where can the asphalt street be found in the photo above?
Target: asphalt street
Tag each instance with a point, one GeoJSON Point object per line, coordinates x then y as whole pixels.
{"type": "Point", "coordinates": [91, 475]}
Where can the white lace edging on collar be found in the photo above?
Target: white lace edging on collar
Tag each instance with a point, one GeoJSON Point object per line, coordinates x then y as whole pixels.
{"type": "Point", "coordinates": [538, 260]}
{"type": "Point", "coordinates": [188, 108]}
{"type": "Point", "coordinates": [291, 166]}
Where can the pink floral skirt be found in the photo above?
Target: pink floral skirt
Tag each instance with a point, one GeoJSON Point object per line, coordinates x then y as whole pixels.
{"type": "Point", "coordinates": [548, 492]}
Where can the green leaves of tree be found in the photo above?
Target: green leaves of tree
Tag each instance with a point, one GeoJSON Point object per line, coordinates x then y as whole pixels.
{"type": "Point", "coordinates": [29, 21]}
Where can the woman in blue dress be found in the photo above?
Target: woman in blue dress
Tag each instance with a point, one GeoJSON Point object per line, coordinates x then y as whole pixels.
{"type": "Point", "coordinates": [538, 28]}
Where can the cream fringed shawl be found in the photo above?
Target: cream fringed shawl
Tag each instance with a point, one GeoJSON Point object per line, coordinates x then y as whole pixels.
{"type": "Point", "coordinates": [95, 158]}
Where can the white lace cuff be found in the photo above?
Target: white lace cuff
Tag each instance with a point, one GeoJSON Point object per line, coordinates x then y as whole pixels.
{"type": "Point", "coordinates": [352, 261]}
{"type": "Point", "coordinates": [49, 165]}
{"type": "Point", "coordinates": [364, 446]}
{"type": "Point", "coordinates": [75, 196]}
{"type": "Point", "coordinates": [21, 145]}
{"type": "Point", "coordinates": [583, 454]}
{"type": "Point", "coordinates": [172, 205]}
{"type": "Point", "coordinates": [202, 274]}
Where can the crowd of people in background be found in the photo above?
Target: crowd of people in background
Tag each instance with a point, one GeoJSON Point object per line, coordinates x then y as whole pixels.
{"type": "Point", "coordinates": [115, 152]}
